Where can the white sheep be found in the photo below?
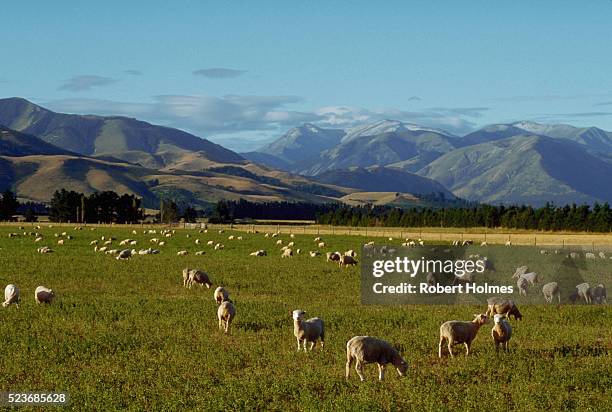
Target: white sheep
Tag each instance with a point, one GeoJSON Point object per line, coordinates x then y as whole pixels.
{"type": "Point", "coordinates": [333, 256]}
{"type": "Point", "coordinates": [210, 243]}
{"type": "Point", "coordinates": [287, 253]}
{"type": "Point", "coordinates": [367, 349]}
{"type": "Point", "coordinates": [584, 291]}
{"type": "Point", "coordinates": [455, 332]}
{"type": "Point", "coordinates": [501, 332]}
{"type": "Point", "coordinates": [310, 330]}
{"type": "Point", "coordinates": [314, 253]}
{"type": "Point", "coordinates": [279, 242]}
{"type": "Point", "coordinates": [530, 277]}
{"type": "Point", "coordinates": [197, 241]}
{"type": "Point", "coordinates": [291, 244]}
{"type": "Point", "coordinates": [590, 255]}
{"type": "Point", "coordinates": [350, 253]}
{"type": "Point", "coordinates": [219, 246]}
{"type": "Point", "coordinates": [44, 249]}
{"type": "Point", "coordinates": [182, 253]}
{"type": "Point", "coordinates": [260, 252]}
{"type": "Point", "coordinates": [321, 245]}
{"type": "Point", "coordinates": [549, 291]}
{"type": "Point", "coordinates": [521, 270]}
{"type": "Point", "coordinates": [197, 276]}
{"type": "Point", "coordinates": [200, 253]}
{"type": "Point", "coordinates": [220, 295]}
{"type": "Point", "coordinates": [11, 295]}
{"type": "Point", "coordinates": [317, 239]}
{"type": "Point", "coordinates": [43, 295]}
{"type": "Point", "coordinates": [503, 306]}
{"type": "Point", "coordinates": [225, 314]}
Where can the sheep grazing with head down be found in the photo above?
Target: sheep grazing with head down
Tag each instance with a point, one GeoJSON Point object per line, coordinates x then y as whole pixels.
{"type": "Point", "coordinates": [551, 290]}
{"type": "Point", "coordinates": [501, 332]}
{"type": "Point", "coordinates": [194, 276]}
{"type": "Point", "coordinates": [367, 349]}
{"type": "Point", "coordinates": [11, 295]}
{"type": "Point", "coordinates": [346, 260]}
{"type": "Point", "coordinates": [309, 330]}
{"type": "Point", "coordinates": [43, 295]}
{"type": "Point", "coordinates": [523, 285]}
{"type": "Point", "coordinates": [503, 306]}
{"type": "Point", "coordinates": [599, 294]}
{"type": "Point", "coordinates": [221, 295]}
{"type": "Point", "coordinates": [455, 332]}
{"type": "Point", "coordinates": [226, 314]}
{"type": "Point", "coordinates": [287, 253]}
{"type": "Point", "coordinates": [333, 256]}
{"type": "Point", "coordinates": [584, 291]}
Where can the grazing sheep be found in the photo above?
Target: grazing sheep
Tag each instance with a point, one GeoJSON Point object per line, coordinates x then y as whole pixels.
{"type": "Point", "coordinates": [367, 349]}
{"type": "Point", "coordinates": [501, 332]}
{"type": "Point", "coordinates": [314, 253]}
{"type": "Point", "coordinates": [599, 294]}
{"type": "Point", "coordinates": [350, 253]}
{"type": "Point", "coordinates": [573, 255]}
{"type": "Point", "coordinates": [197, 241]}
{"type": "Point", "coordinates": [231, 237]}
{"type": "Point", "coordinates": [584, 291]}
{"type": "Point", "coordinates": [333, 256]}
{"type": "Point", "coordinates": [219, 246]}
{"type": "Point", "coordinates": [521, 270]}
{"type": "Point", "coordinates": [321, 245]}
{"type": "Point", "coordinates": [287, 253]}
{"type": "Point", "coordinates": [530, 277]}
{"type": "Point", "coordinates": [112, 252]}
{"type": "Point", "coordinates": [225, 314]}
{"type": "Point", "coordinates": [347, 261]}
{"type": "Point", "coordinates": [602, 255]}
{"type": "Point", "coordinates": [162, 243]}
{"type": "Point", "coordinates": [497, 305]}
{"type": "Point", "coordinates": [260, 252]}
{"type": "Point", "coordinates": [182, 253]}
{"type": "Point", "coordinates": [200, 253]}
{"type": "Point", "coordinates": [239, 238]}
{"type": "Point", "coordinates": [508, 243]}
{"type": "Point", "coordinates": [279, 242]}
{"type": "Point", "coordinates": [291, 244]}
{"type": "Point", "coordinates": [44, 249]}
{"type": "Point", "coordinates": [483, 244]}
{"type": "Point", "coordinates": [309, 330]}
{"type": "Point", "coordinates": [590, 255]}
{"type": "Point", "coordinates": [455, 332]}
{"type": "Point", "coordinates": [522, 285]}
{"type": "Point", "coordinates": [124, 254]}
{"type": "Point", "coordinates": [197, 276]}
{"type": "Point", "coordinates": [43, 294]}
{"type": "Point", "coordinates": [317, 239]}
{"type": "Point", "coordinates": [11, 295]}
{"type": "Point", "coordinates": [220, 295]}
{"type": "Point", "coordinates": [210, 243]}
{"type": "Point", "coordinates": [38, 239]}
{"type": "Point", "coordinates": [292, 236]}
{"type": "Point", "coordinates": [550, 290]}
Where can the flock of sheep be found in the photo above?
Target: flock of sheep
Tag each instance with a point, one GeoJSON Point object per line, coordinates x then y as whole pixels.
{"type": "Point", "coordinates": [360, 350]}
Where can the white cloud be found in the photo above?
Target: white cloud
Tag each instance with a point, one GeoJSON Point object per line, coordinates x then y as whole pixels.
{"type": "Point", "coordinates": [85, 82]}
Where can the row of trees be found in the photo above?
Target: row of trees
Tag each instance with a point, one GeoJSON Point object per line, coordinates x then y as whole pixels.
{"type": "Point", "coordinates": [597, 218]}
{"type": "Point", "coordinates": [8, 205]}
{"type": "Point", "coordinates": [229, 210]}
{"type": "Point", "coordinates": [104, 207]}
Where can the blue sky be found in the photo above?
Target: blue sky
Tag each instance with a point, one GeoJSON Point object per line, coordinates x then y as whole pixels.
{"type": "Point", "coordinates": [241, 73]}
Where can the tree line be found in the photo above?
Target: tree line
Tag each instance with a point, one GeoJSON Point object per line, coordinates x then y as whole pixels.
{"type": "Point", "coordinates": [597, 218]}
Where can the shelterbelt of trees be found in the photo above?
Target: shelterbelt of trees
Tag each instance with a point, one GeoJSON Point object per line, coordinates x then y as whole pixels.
{"type": "Point", "coordinates": [596, 218]}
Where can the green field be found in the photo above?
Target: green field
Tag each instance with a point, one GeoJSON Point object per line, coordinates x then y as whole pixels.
{"type": "Point", "coordinates": [127, 335]}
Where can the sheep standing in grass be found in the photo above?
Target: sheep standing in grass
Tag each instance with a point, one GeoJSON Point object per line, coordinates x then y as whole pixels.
{"type": "Point", "coordinates": [501, 332]}
{"type": "Point", "coordinates": [504, 307]}
{"type": "Point", "coordinates": [221, 295]}
{"type": "Point", "coordinates": [314, 253]}
{"type": "Point", "coordinates": [584, 291]}
{"type": "Point", "coordinates": [455, 332]}
{"type": "Point", "coordinates": [521, 270]}
{"type": "Point", "coordinates": [321, 245]}
{"type": "Point", "coordinates": [551, 290]}
{"type": "Point", "coordinates": [124, 254]}
{"type": "Point", "coordinates": [530, 277]}
{"type": "Point", "coordinates": [523, 285]}
{"type": "Point", "coordinates": [309, 330]}
{"type": "Point", "coordinates": [182, 253]}
{"type": "Point", "coordinates": [43, 294]}
{"type": "Point", "coordinates": [333, 256]}
{"type": "Point", "coordinates": [225, 314]}
{"type": "Point", "coordinates": [198, 276]}
{"type": "Point", "coordinates": [287, 253]}
{"type": "Point", "coordinates": [260, 252]}
{"type": "Point", "coordinates": [367, 349]}
{"type": "Point", "coordinates": [11, 295]}
{"type": "Point", "coordinates": [346, 260]}
{"type": "Point", "coordinates": [599, 294]}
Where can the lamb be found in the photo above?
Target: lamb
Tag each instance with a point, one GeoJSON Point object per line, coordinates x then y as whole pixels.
{"type": "Point", "coordinates": [503, 306]}
{"type": "Point", "coordinates": [347, 261]}
{"type": "Point", "coordinates": [225, 314]}
{"type": "Point", "coordinates": [314, 253]}
{"type": "Point", "coordinates": [11, 295]}
{"type": "Point", "coordinates": [124, 254]}
{"type": "Point", "coordinates": [260, 252]}
{"type": "Point", "coordinates": [220, 295]}
{"type": "Point", "coordinates": [287, 253]}
{"type": "Point", "coordinates": [43, 295]}
{"type": "Point", "coordinates": [367, 349]}
{"type": "Point", "coordinates": [455, 332]}
{"type": "Point", "coordinates": [522, 285]}
{"type": "Point", "coordinates": [599, 294]}
{"type": "Point", "coordinates": [197, 276]}
{"type": "Point", "coordinates": [309, 330]}
{"type": "Point", "coordinates": [550, 290]}
{"type": "Point", "coordinates": [60, 242]}
{"type": "Point", "coordinates": [230, 237]}
{"type": "Point", "coordinates": [501, 332]}
{"type": "Point", "coordinates": [182, 253]}
{"type": "Point", "coordinates": [584, 291]}
{"type": "Point", "coordinates": [333, 256]}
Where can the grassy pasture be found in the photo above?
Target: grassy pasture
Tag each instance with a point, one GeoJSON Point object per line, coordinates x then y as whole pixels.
{"type": "Point", "coordinates": [127, 335]}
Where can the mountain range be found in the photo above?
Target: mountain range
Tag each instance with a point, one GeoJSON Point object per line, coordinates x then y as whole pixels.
{"type": "Point", "coordinates": [520, 162]}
